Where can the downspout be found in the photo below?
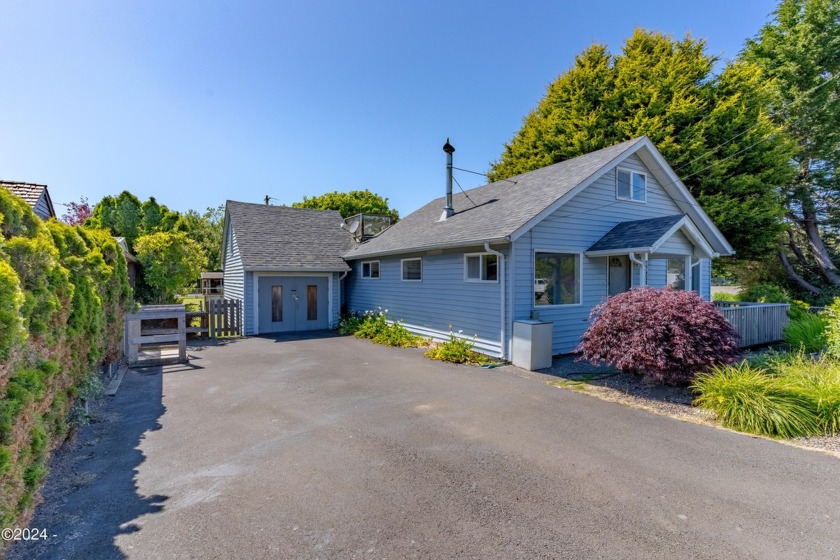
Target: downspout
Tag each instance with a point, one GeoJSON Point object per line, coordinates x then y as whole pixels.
{"type": "Point", "coordinates": [501, 260]}
{"type": "Point", "coordinates": [642, 267]}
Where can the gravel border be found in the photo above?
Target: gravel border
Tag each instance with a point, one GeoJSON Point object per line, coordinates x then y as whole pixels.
{"type": "Point", "coordinates": [633, 390]}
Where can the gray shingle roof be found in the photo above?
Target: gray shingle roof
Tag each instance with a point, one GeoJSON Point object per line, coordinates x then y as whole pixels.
{"type": "Point", "coordinates": [288, 239]}
{"type": "Point", "coordinates": [31, 193]}
{"type": "Point", "coordinates": [491, 212]}
{"type": "Point", "coordinates": [636, 234]}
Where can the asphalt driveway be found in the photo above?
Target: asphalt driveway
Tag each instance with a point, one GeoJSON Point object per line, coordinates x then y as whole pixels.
{"type": "Point", "coordinates": [338, 448]}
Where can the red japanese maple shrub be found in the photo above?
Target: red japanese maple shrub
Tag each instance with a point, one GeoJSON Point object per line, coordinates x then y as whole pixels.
{"type": "Point", "coordinates": [666, 334]}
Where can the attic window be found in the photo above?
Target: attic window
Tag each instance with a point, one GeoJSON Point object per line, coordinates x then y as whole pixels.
{"type": "Point", "coordinates": [370, 269]}
{"type": "Point", "coordinates": [630, 185]}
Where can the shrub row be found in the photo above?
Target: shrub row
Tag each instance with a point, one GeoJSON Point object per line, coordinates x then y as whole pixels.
{"type": "Point", "coordinates": [785, 395]}
{"type": "Point", "coordinates": [63, 294]}
{"type": "Point", "coordinates": [374, 325]}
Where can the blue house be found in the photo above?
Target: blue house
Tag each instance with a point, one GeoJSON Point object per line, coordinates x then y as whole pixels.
{"type": "Point", "coordinates": [551, 243]}
{"type": "Point", "coordinates": [284, 265]}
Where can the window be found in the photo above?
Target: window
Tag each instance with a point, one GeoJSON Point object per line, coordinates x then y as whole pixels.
{"type": "Point", "coordinates": [556, 279]}
{"type": "Point", "coordinates": [276, 304]}
{"type": "Point", "coordinates": [676, 274]}
{"type": "Point", "coordinates": [481, 267]}
{"type": "Point", "coordinates": [412, 269]}
{"type": "Point", "coordinates": [311, 302]}
{"type": "Point", "coordinates": [696, 269]}
{"type": "Point", "coordinates": [370, 269]}
{"type": "Point", "coordinates": [630, 185]}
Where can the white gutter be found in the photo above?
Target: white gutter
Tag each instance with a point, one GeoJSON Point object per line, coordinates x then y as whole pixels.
{"type": "Point", "coordinates": [501, 272]}
{"type": "Point", "coordinates": [353, 255]}
{"type": "Point", "coordinates": [642, 267]}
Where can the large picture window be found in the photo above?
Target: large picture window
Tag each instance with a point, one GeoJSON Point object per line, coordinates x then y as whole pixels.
{"type": "Point", "coordinates": [556, 279]}
{"type": "Point", "coordinates": [412, 270]}
{"type": "Point", "coordinates": [481, 267]}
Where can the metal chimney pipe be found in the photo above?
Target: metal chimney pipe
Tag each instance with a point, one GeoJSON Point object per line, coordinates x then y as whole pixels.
{"type": "Point", "coordinates": [448, 210]}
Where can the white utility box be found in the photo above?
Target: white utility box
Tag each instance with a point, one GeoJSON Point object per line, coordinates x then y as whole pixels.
{"type": "Point", "coordinates": [532, 344]}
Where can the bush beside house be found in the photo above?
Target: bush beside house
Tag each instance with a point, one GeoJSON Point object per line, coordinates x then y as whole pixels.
{"type": "Point", "coordinates": [668, 335]}
{"type": "Point", "coordinates": [63, 294]}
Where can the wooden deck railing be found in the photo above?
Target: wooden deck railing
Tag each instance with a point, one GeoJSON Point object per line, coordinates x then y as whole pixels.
{"type": "Point", "coordinates": [756, 323]}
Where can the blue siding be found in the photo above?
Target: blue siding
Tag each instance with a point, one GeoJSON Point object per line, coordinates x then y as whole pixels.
{"type": "Point", "coordinates": [335, 289]}
{"type": "Point", "coordinates": [234, 273]}
{"type": "Point", "coordinates": [706, 279]}
{"type": "Point", "coordinates": [250, 317]}
{"type": "Point", "coordinates": [429, 307]}
{"type": "Point", "coordinates": [573, 228]}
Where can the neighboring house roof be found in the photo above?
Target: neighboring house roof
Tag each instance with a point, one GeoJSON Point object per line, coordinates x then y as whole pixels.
{"type": "Point", "coordinates": [126, 253]}
{"type": "Point", "coordinates": [287, 239]}
{"type": "Point", "coordinates": [504, 210]}
{"type": "Point", "coordinates": [32, 193]}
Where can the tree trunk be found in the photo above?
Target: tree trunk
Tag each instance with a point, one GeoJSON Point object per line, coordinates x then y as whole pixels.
{"type": "Point", "coordinates": [810, 226]}
{"type": "Point", "coordinates": [801, 282]}
{"type": "Point", "coordinates": [797, 252]}
{"type": "Point", "coordinates": [815, 244]}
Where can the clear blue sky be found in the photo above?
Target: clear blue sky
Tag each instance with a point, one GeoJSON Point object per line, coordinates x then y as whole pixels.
{"type": "Point", "coordinates": [196, 102]}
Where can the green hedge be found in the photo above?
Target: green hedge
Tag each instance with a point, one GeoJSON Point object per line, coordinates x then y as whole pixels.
{"type": "Point", "coordinates": [63, 294]}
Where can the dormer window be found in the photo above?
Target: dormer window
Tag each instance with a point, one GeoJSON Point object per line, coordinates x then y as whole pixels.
{"type": "Point", "coordinates": [630, 185]}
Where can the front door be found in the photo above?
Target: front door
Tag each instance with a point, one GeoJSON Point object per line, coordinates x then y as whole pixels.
{"type": "Point", "coordinates": [618, 271]}
{"type": "Point", "coordinates": [292, 303]}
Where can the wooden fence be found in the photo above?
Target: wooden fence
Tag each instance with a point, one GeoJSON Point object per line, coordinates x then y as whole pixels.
{"type": "Point", "coordinates": [224, 318]}
{"type": "Point", "coordinates": [757, 323]}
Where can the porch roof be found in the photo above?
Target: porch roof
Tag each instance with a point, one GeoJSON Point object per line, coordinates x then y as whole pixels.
{"type": "Point", "coordinates": [646, 236]}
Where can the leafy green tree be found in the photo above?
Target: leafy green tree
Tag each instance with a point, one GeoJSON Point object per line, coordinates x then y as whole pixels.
{"type": "Point", "coordinates": [799, 51]}
{"type": "Point", "coordinates": [712, 129]}
{"type": "Point", "coordinates": [206, 230]}
{"type": "Point", "coordinates": [171, 263]}
{"type": "Point", "coordinates": [349, 203]}
{"type": "Point", "coordinates": [125, 216]}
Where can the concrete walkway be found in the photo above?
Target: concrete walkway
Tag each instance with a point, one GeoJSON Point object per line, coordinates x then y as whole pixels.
{"type": "Point", "coordinates": [338, 448]}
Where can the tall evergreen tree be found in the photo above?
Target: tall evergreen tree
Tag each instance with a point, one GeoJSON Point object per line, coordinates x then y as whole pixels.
{"type": "Point", "coordinates": [711, 129]}
{"type": "Point", "coordinates": [800, 51]}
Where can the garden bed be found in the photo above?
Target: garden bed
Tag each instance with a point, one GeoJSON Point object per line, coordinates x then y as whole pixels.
{"type": "Point", "coordinates": [634, 390]}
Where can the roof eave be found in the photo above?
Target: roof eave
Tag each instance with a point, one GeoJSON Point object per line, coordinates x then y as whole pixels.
{"type": "Point", "coordinates": [425, 248]}
{"type": "Point", "coordinates": [321, 269]}
{"type": "Point", "coordinates": [618, 251]}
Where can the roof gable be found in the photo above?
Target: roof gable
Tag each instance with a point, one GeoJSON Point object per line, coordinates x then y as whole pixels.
{"type": "Point", "coordinates": [494, 212]}
{"type": "Point", "coordinates": [507, 209]}
{"type": "Point", "coordinates": [32, 194]}
{"type": "Point", "coordinates": [286, 239]}
{"type": "Point", "coordinates": [635, 235]}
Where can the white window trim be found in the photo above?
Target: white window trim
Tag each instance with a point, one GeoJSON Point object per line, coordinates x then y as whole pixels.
{"type": "Point", "coordinates": [402, 269]}
{"type": "Point", "coordinates": [481, 269]}
{"type": "Point", "coordinates": [630, 198]}
{"type": "Point", "coordinates": [370, 277]}
{"type": "Point", "coordinates": [579, 255]}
